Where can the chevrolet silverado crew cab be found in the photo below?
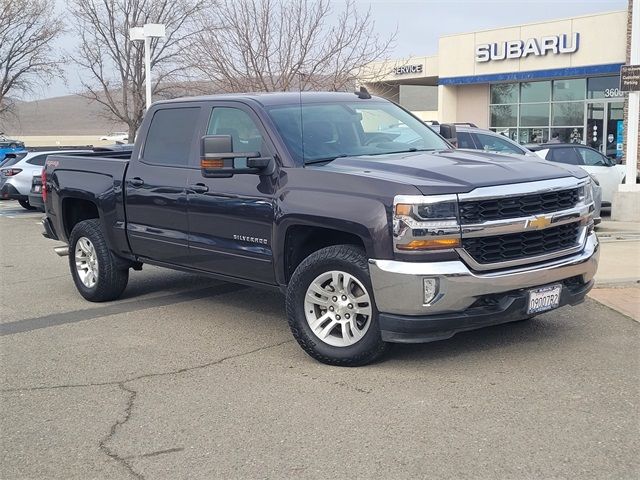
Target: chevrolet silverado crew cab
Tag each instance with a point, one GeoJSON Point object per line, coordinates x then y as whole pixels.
{"type": "Point", "coordinates": [371, 224]}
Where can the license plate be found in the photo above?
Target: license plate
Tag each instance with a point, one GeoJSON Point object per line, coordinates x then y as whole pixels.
{"type": "Point", "coordinates": [544, 298]}
{"type": "Point", "coordinates": [36, 188]}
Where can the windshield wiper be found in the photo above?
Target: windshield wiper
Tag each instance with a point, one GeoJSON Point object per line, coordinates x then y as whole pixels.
{"type": "Point", "coordinates": [327, 159]}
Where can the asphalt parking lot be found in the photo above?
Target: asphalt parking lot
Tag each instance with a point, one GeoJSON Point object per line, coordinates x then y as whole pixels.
{"type": "Point", "coordinates": [188, 377]}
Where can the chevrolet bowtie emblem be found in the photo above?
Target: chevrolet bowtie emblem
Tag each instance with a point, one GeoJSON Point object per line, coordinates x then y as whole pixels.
{"type": "Point", "coordinates": [538, 223]}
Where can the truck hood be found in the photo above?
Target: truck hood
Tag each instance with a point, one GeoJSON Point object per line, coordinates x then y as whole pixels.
{"type": "Point", "coordinates": [452, 171]}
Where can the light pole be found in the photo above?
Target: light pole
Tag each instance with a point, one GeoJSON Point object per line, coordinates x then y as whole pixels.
{"type": "Point", "coordinates": [146, 33]}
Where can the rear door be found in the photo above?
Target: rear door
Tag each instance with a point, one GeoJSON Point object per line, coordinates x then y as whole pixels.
{"type": "Point", "coordinates": [231, 219]}
{"type": "Point", "coordinates": [156, 185]}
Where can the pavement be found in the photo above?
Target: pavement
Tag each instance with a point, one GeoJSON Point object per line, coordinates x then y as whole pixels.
{"type": "Point", "coordinates": [188, 377]}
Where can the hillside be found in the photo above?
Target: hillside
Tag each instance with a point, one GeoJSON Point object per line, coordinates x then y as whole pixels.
{"type": "Point", "coordinates": [68, 115]}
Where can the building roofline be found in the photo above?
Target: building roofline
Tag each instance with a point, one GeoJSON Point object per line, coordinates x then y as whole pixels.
{"type": "Point", "coordinates": [540, 22]}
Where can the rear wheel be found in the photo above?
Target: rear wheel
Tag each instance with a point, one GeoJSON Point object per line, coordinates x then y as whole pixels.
{"type": "Point", "coordinates": [331, 310]}
{"type": "Point", "coordinates": [26, 205]}
{"type": "Point", "coordinates": [95, 272]}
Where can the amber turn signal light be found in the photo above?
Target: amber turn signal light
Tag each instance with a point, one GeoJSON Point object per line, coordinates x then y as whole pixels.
{"type": "Point", "coordinates": [403, 209]}
{"type": "Point", "coordinates": [207, 163]}
{"type": "Point", "coordinates": [431, 244]}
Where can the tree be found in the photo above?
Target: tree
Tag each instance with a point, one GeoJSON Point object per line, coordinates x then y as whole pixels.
{"type": "Point", "coordinates": [28, 29]}
{"type": "Point", "coordinates": [276, 45]}
{"type": "Point", "coordinates": [114, 65]}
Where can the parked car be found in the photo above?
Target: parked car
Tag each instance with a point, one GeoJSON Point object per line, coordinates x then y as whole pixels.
{"type": "Point", "coordinates": [470, 137]}
{"type": "Point", "coordinates": [9, 146]}
{"type": "Point", "coordinates": [35, 195]}
{"type": "Point", "coordinates": [16, 175]}
{"type": "Point", "coordinates": [372, 240]}
{"type": "Point", "coordinates": [606, 171]}
{"type": "Point", "coordinates": [120, 137]}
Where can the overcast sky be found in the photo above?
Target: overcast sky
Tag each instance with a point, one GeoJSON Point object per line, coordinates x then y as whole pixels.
{"type": "Point", "coordinates": [419, 23]}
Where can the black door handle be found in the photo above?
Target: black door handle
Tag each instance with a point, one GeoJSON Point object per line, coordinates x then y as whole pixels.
{"type": "Point", "coordinates": [199, 188]}
{"type": "Point", "coordinates": [136, 182]}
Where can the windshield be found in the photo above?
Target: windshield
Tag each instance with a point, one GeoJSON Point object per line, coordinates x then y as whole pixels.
{"type": "Point", "coordinates": [331, 130]}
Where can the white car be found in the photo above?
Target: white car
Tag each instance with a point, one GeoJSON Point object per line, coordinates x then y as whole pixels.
{"type": "Point", "coordinates": [16, 175]}
{"type": "Point", "coordinates": [121, 137]}
{"type": "Point", "coordinates": [608, 174]}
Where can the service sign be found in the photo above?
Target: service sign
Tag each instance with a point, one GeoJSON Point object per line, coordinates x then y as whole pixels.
{"type": "Point", "coordinates": [556, 44]}
{"type": "Point", "coordinates": [630, 78]}
{"type": "Point", "coordinates": [408, 70]}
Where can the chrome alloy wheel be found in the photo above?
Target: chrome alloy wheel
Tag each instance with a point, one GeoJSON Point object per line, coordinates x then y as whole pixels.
{"type": "Point", "coordinates": [338, 308]}
{"type": "Point", "coordinates": [86, 262]}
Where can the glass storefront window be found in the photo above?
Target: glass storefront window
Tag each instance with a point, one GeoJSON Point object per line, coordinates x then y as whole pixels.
{"type": "Point", "coordinates": [532, 92]}
{"type": "Point", "coordinates": [503, 115]}
{"type": "Point", "coordinates": [533, 135]}
{"type": "Point", "coordinates": [568, 90]}
{"type": "Point", "coordinates": [568, 134]}
{"type": "Point", "coordinates": [567, 113]}
{"type": "Point", "coordinates": [604, 87]}
{"type": "Point", "coordinates": [534, 114]}
{"type": "Point", "coordinates": [502, 93]}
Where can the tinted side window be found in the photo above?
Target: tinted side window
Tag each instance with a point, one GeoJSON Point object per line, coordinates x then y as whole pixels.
{"type": "Point", "coordinates": [564, 155]}
{"type": "Point", "coordinates": [239, 124]}
{"type": "Point", "coordinates": [39, 160]}
{"type": "Point", "coordinates": [244, 132]}
{"type": "Point", "coordinates": [465, 140]}
{"type": "Point", "coordinates": [591, 158]}
{"type": "Point", "coordinates": [497, 144]}
{"type": "Point", "coordinates": [170, 136]}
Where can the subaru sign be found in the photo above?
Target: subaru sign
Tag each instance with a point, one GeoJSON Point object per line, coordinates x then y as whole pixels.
{"type": "Point", "coordinates": [556, 44]}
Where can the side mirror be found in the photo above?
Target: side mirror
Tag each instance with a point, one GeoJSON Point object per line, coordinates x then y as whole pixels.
{"type": "Point", "coordinates": [218, 160]}
{"type": "Point", "coordinates": [448, 131]}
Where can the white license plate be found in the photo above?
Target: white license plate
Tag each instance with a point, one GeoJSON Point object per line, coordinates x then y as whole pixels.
{"type": "Point", "coordinates": [544, 298]}
{"type": "Point", "coordinates": [36, 189]}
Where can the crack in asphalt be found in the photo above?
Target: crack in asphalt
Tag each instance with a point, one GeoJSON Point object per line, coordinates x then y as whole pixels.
{"type": "Point", "coordinates": [103, 445]}
{"type": "Point", "coordinates": [132, 395]}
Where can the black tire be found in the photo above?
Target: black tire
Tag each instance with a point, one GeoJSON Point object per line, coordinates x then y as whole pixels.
{"type": "Point", "coordinates": [349, 259]}
{"type": "Point", "coordinates": [112, 279]}
{"type": "Point", "coordinates": [26, 205]}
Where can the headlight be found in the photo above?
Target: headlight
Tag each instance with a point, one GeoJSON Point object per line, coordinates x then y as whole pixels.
{"type": "Point", "coordinates": [425, 223]}
{"type": "Point", "coordinates": [585, 193]}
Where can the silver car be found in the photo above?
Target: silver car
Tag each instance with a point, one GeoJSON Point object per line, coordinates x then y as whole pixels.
{"type": "Point", "coordinates": [16, 175]}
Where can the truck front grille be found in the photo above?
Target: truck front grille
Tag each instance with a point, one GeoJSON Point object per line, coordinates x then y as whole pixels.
{"type": "Point", "coordinates": [478, 211]}
{"type": "Point", "coordinates": [514, 246]}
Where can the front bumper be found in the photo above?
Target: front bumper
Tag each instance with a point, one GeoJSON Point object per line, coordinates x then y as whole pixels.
{"type": "Point", "coordinates": [468, 299]}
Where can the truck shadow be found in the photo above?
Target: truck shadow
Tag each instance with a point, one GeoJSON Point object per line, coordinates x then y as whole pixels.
{"type": "Point", "coordinates": [550, 330]}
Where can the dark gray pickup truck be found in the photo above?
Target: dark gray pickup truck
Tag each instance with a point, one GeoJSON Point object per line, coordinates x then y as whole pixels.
{"type": "Point", "coordinates": [371, 224]}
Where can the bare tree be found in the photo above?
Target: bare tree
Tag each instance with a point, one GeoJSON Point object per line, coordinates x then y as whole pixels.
{"type": "Point", "coordinates": [27, 31]}
{"type": "Point", "coordinates": [275, 45]}
{"type": "Point", "coordinates": [114, 65]}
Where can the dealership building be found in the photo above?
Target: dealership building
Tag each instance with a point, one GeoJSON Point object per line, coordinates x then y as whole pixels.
{"type": "Point", "coordinates": [530, 82]}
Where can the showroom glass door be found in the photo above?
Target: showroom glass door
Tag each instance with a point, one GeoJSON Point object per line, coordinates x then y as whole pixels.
{"type": "Point", "coordinates": [614, 130]}
{"type": "Point", "coordinates": [604, 127]}
{"type": "Point", "coordinates": [595, 132]}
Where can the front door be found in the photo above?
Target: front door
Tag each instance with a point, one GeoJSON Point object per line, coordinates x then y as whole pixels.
{"type": "Point", "coordinates": [231, 218]}
{"type": "Point", "coordinates": [156, 186]}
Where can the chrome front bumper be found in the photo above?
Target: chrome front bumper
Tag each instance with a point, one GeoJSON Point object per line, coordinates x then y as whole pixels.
{"type": "Point", "coordinates": [398, 286]}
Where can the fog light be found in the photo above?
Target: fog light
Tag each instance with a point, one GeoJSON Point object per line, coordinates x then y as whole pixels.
{"type": "Point", "coordinates": [430, 289]}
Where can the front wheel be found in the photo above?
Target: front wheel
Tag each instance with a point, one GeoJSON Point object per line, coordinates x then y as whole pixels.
{"type": "Point", "coordinates": [331, 309]}
{"type": "Point", "coordinates": [26, 205]}
{"type": "Point", "coordinates": [95, 272]}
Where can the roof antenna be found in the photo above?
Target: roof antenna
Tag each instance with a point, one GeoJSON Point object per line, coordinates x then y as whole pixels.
{"type": "Point", "coordinates": [363, 93]}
